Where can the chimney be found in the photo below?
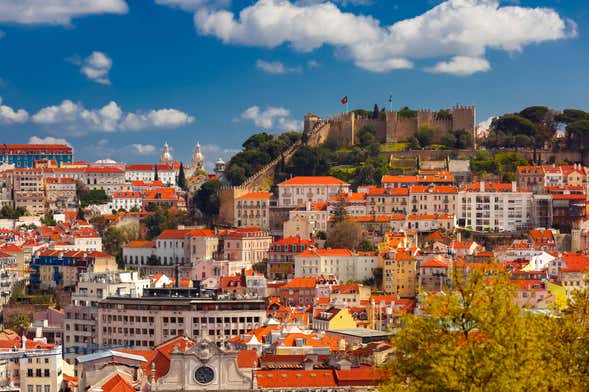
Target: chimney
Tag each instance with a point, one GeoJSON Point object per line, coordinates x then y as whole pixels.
{"type": "Point", "coordinates": [482, 186]}
{"type": "Point", "coordinates": [513, 186]}
{"type": "Point", "coordinates": [308, 206]}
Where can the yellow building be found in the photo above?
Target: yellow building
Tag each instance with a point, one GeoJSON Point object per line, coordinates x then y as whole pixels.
{"type": "Point", "coordinates": [253, 210]}
{"type": "Point", "coordinates": [400, 273]}
{"type": "Point", "coordinates": [333, 318]}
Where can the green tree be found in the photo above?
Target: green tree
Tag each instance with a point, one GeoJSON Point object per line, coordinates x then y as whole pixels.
{"type": "Point", "coordinates": [458, 138]}
{"type": "Point", "coordinates": [116, 236]}
{"type": "Point", "coordinates": [366, 136]}
{"type": "Point", "coordinates": [366, 245]}
{"type": "Point", "coordinates": [182, 178]}
{"type": "Point", "coordinates": [424, 136]}
{"type": "Point", "coordinates": [206, 199]}
{"type": "Point", "coordinates": [375, 112]}
{"type": "Point", "coordinates": [569, 116]}
{"type": "Point", "coordinates": [48, 220]}
{"type": "Point", "coordinates": [156, 176]}
{"type": "Point", "coordinates": [578, 132]}
{"type": "Point", "coordinates": [164, 218]}
{"type": "Point", "coordinates": [340, 213]}
{"type": "Point", "coordinates": [346, 234]}
{"type": "Point", "coordinates": [474, 338]}
{"type": "Point", "coordinates": [19, 323]}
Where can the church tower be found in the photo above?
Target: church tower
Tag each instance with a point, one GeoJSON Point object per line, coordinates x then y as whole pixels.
{"type": "Point", "coordinates": [166, 157]}
{"type": "Point", "coordinates": [198, 159]}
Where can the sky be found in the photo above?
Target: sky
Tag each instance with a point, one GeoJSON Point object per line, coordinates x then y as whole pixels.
{"type": "Point", "coordinates": [118, 78]}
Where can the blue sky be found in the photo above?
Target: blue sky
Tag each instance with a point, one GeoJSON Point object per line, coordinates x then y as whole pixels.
{"type": "Point", "coordinates": [117, 78]}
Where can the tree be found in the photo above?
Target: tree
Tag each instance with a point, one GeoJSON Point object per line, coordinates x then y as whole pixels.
{"type": "Point", "coordinates": [48, 220]}
{"type": "Point", "coordinates": [80, 215]}
{"type": "Point", "coordinates": [116, 236]}
{"type": "Point", "coordinates": [340, 212]}
{"type": "Point", "coordinates": [578, 132]}
{"type": "Point", "coordinates": [375, 112]}
{"type": "Point", "coordinates": [206, 199]}
{"type": "Point", "coordinates": [458, 138]}
{"type": "Point", "coordinates": [424, 136]}
{"type": "Point", "coordinates": [366, 245]}
{"type": "Point", "coordinates": [366, 136]}
{"type": "Point", "coordinates": [569, 116]}
{"type": "Point", "coordinates": [19, 323]}
{"type": "Point", "coordinates": [182, 178]}
{"type": "Point", "coordinates": [474, 338]}
{"type": "Point", "coordinates": [346, 234]}
{"type": "Point", "coordinates": [164, 218]}
{"type": "Point", "coordinates": [155, 173]}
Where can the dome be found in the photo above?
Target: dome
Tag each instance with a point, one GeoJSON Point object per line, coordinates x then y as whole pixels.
{"type": "Point", "coordinates": [166, 157]}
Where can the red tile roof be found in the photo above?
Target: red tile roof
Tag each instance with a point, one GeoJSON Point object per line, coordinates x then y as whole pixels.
{"type": "Point", "coordinates": [255, 196]}
{"type": "Point", "coordinates": [326, 253]}
{"type": "Point", "coordinates": [434, 264]}
{"type": "Point", "coordinates": [117, 384]}
{"type": "Point", "coordinates": [313, 180]}
{"type": "Point", "coordinates": [247, 359]}
{"type": "Point", "coordinates": [283, 379]}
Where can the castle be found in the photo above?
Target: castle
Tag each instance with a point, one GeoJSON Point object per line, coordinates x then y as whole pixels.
{"type": "Point", "coordinates": [391, 126]}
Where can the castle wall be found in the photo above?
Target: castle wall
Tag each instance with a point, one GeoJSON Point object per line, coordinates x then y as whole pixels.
{"type": "Point", "coordinates": [378, 125]}
{"type": "Point", "coordinates": [406, 128]}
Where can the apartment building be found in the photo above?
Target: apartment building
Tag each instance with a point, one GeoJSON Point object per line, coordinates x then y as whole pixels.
{"type": "Point", "coordinates": [400, 273]}
{"type": "Point", "coordinates": [161, 314]}
{"type": "Point", "coordinates": [386, 201]}
{"type": "Point", "coordinates": [55, 268]}
{"type": "Point", "coordinates": [247, 244]}
{"type": "Point", "coordinates": [434, 199]}
{"type": "Point", "coordinates": [172, 247]}
{"type": "Point", "coordinates": [29, 190]}
{"type": "Point", "coordinates": [253, 210]}
{"type": "Point", "coordinates": [281, 256]}
{"type": "Point", "coordinates": [81, 320]}
{"type": "Point", "coordinates": [343, 263]}
{"type": "Point", "coordinates": [494, 207]}
{"type": "Point", "coordinates": [108, 179]}
{"type": "Point", "coordinates": [146, 173]}
{"type": "Point", "coordinates": [126, 201]}
{"type": "Point", "coordinates": [297, 191]}
{"type": "Point", "coordinates": [60, 193]}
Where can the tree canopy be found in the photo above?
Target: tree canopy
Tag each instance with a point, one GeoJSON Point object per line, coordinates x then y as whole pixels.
{"type": "Point", "coordinates": [476, 338]}
{"type": "Point", "coordinates": [258, 150]}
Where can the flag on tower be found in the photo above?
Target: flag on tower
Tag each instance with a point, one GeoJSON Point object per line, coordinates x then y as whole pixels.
{"type": "Point", "coordinates": [345, 100]}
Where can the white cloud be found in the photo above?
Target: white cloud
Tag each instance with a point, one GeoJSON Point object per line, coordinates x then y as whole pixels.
{"type": "Point", "coordinates": [271, 118]}
{"type": "Point", "coordinates": [96, 67]}
{"type": "Point", "coordinates": [143, 149]}
{"type": "Point", "coordinates": [453, 29]}
{"type": "Point", "coordinates": [75, 119]}
{"type": "Point", "coordinates": [461, 66]}
{"type": "Point", "coordinates": [276, 67]}
{"type": "Point", "coordinates": [48, 140]}
{"type": "Point", "coordinates": [10, 116]}
{"type": "Point", "coordinates": [56, 11]}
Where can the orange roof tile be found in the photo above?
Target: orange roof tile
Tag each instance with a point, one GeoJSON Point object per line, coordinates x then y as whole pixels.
{"type": "Point", "coordinates": [313, 180]}
{"type": "Point", "coordinates": [301, 283]}
{"type": "Point", "coordinates": [295, 378]}
{"type": "Point", "coordinates": [255, 196]}
{"type": "Point", "coordinates": [247, 359]}
{"type": "Point", "coordinates": [117, 384]}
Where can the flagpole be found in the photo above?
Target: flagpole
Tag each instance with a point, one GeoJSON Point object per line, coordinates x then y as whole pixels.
{"type": "Point", "coordinates": [347, 103]}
